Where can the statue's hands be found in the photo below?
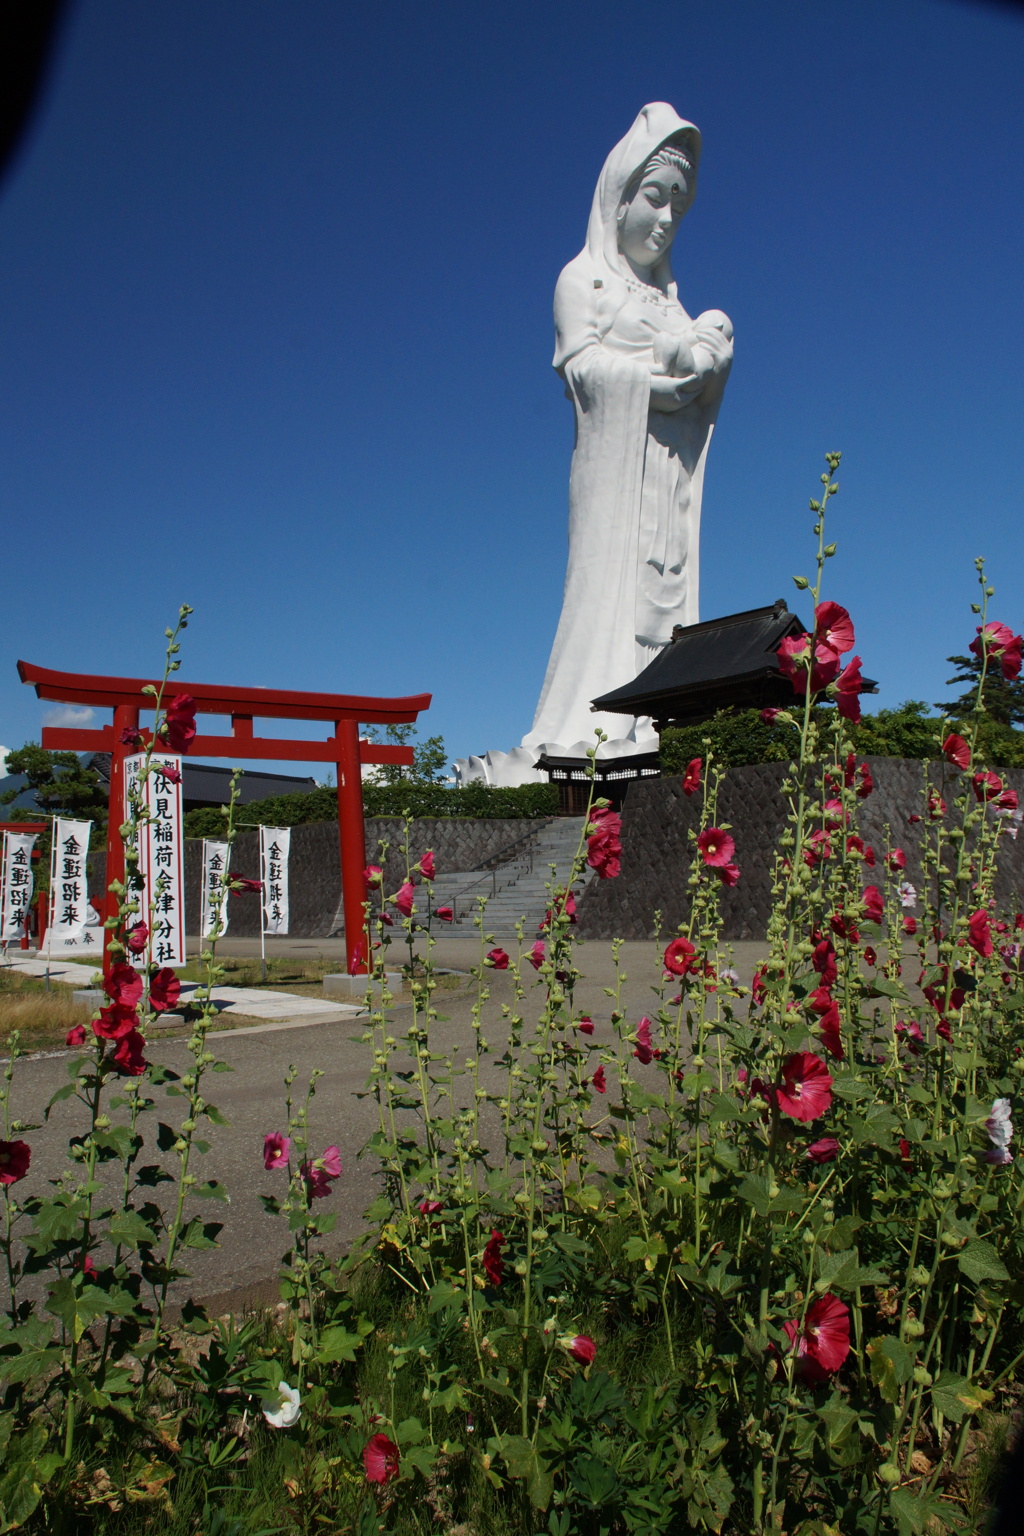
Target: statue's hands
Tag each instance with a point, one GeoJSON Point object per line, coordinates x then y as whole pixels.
{"type": "Point", "coordinates": [669, 393]}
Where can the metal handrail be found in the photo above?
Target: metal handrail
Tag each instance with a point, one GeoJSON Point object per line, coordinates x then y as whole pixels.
{"type": "Point", "coordinates": [527, 856]}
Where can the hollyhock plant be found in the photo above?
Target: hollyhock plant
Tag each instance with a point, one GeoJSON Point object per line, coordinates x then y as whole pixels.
{"type": "Point", "coordinates": [404, 899]}
{"type": "Point", "coordinates": [445, 914]}
{"type": "Point", "coordinates": [241, 885]}
{"type": "Point", "coordinates": [536, 954]}
{"type": "Point", "coordinates": [585, 1024]}
{"type": "Point", "coordinates": [164, 990]}
{"type": "Point", "coordinates": [137, 938]}
{"type": "Point", "coordinates": [956, 751]}
{"type": "Point", "coordinates": [936, 806]}
{"type": "Point", "coordinates": [15, 1157]}
{"type": "Point", "coordinates": [493, 1263]}
{"type": "Point", "coordinates": [582, 1348]}
{"type": "Point", "coordinates": [831, 1035]}
{"type": "Point", "coordinates": [824, 962]}
{"type": "Point", "coordinates": [430, 1207]}
{"type": "Point", "coordinates": [833, 627]}
{"type": "Point", "coordinates": [866, 786]}
{"type": "Point", "coordinates": [822, 1339]}
{"type": "Point", "coordinates": [874, 908]}
{"type": "Point", "coordinates": [691, 778]}
{"type": "Point", "coordinates": [897, 859]}
{"type": "Point", "coordinates": [497, 959]}
{"type": "Point", "coordinates": [805, 1092]}
{"type": "Point", "coordinates": [849, 687]}
{"type": "Point", "coordinates": [679, 957]}
{"type": "Point", "coordinates": [770, 715]}
{"type": "Point", "coordinates": [169, 772]}
{"type": "Point", "coordinates": [114, 1022]}
{"type": "Point", "coordinates": [380, 1459]}
{"type": "Point", "coordinates": [276, 1148]}
{"type": "Point", "coordinates": [987, 786]}
{"type": "Point", "coordinates": [1000, 1131]}
{"type": "Point", "coordinates": [794, 656]}
{"type": "Point", "coordinates": [130, 736]}
{"type": "Point", "coordinates": [373, 874]}
{"type": "Point", "coordinates": [281, 1407]}
{"type": "Point", "coordinates": [75, 1036]}
{"type": "Point", "coordinates": [604, 849]}
{"type": "Point", "coordinates": [129, 1055]}
{"type": "Point", "coordinates": [426, 865]}
{"type": "Point", "coordinates": [598, 1082]}
{"type": "Point", "coordinates": [907, 894]}
{"type": "Point", "coordinates": [979, 934]}
{"type": "Point", "coordinates": [644, 1052]}
{"type": "Point", "coordinates": [1002, 645]}
{"type": "Point", "coordinates": [716, 847]}
{"type": "Point", "coordinates": [178, 729]}
{"type": "Point", "coordinates": [914, 1034]}
{"type": "Point", "coordinates": [123, 986]}
{"type": "Point", "coordinates": [824, 1151]}
{"type": "Point", "coordinates": [728, 874]}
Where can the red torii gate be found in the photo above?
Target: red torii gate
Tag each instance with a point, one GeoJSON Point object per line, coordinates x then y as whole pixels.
{"type": "Point", "coordinates": [125, 697]}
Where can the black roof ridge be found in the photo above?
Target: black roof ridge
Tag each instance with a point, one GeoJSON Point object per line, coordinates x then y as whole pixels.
{"type": "Point", "coordinates": [779, 607]}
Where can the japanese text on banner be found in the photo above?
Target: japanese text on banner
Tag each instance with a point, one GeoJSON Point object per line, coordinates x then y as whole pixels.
{"type": "Point", "coordinates": [17, 883]}
{"type": "Point", "coordinates": [161, 855]}
{"type": "Point", "coordinates": [275, 846]}
{"type": "Point", "coordinates": [216, 858]}
{"type": "Point", "coordinates": [74, 924]}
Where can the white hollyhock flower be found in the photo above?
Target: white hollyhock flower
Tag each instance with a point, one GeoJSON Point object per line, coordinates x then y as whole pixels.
{"type": "Point", "coordinates": [908, 895]}
{"type": "Point", "coordinates": [281, 1408]}
{"type": "Point", "coordinates": [1000, 1129]}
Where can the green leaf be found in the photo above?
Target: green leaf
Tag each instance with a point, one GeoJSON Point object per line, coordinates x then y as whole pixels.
{"type": "Point", "coordinates": [338, 1344]}
{"type": "Point", "coordinates": [880, 987]}
{"type": "Point", "coordinates": [979, 1261]}
{"type": "Point", "coordinates": [444, 1294]}
{"type": "Point", "coordinates": [128, 1230]}
{"type": "Point", "coordinates": [891, 1364]}
{"type": "Point", "coordinates": [214, 1190]}
{"type": "Point", "coordinates": [1012, 1004]}
{"type": "Point", "coordinates": [410, 1432]}
{"type": "Point", "coordinates": [214, 1115]}
{"type": "Point", "coordinates": [755, 1189]}
{"type": "Point", "coordinates": [846, 1086]}
{"type": "Point", "coordinates": [955, 1396]}
{"type": "Point", "coordinates": [199, 1234]}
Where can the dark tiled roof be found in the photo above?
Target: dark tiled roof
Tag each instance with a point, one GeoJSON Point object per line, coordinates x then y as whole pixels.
{"type": "Point", "coordinates": [205, 783]}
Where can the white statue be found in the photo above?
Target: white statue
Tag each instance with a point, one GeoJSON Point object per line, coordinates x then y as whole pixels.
{"type": "Point", "coordinates": [646, 383]}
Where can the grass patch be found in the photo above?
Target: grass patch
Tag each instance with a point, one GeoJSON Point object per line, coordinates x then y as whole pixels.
{"type": "Point", "coordinates": [41, 1017]}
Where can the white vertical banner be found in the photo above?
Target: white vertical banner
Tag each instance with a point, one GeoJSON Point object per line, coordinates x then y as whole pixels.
{"type": "Point", "coordinates": [69, 890]}
{"type": "Point", "coordinates": [161, 855]}
{"type": "Point", "coordinates": [16, 897]}
{"type": "Point", "coordinates": [216, 858]}
{"type": "Point", "coordinates": [275, 847]}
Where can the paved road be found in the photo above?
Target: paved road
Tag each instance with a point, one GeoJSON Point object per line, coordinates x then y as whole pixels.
{"type": "Point", "coordinates": [251, 1097]}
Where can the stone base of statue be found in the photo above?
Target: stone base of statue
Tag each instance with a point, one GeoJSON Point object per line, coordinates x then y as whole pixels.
{"type": "Point", "coordinates": [522, 765]}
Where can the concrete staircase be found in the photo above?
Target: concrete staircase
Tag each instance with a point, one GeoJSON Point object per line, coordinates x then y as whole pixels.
{"type": "Point", "coordinates": [516, 889]}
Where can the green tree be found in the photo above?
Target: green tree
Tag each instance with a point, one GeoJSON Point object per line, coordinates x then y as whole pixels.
{"type": "Point", "coordinates": [1003, 700]}
{"type": "Point", "coordinates": [62, 784]}
{"type": "Point", "coordinates": [429, 759]}
{"type": "Point", "coordinates": [909, 730]}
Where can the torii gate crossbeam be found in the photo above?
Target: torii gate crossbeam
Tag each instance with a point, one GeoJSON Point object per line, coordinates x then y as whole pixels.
{"type": "Point", "coordinates": [124, 696]}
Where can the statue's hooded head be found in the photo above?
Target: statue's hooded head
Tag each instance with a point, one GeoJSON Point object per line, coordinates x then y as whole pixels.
{"type": "Point", "coordinates": [659, 140]}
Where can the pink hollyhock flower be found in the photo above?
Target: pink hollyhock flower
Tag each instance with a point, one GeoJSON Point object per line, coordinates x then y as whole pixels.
{"type": "Point", "coordinates": [426, 866]}
{"type": "Point", "coordinates": [497, 958]}
{"type": "Point", "coordinates": [128, 1055]}
{"type": "Point", "coordinates": [833, 627]}
{"type": "Point", "coordinates": [942, 1028]}
{"type": "Point", "coordinates": [275, 1150]}
{"type": "Point", "coordinates": [114, 1022]}
{"type": "Point", "coordinates": [179, 723]}
{"type": "Point", "coordinates": [979, 934]}
{"type": "Point", "coordinates": [536, 955]}
{"type": "Point", "coordinates": [691, 778]}
{"type": "Point", "coordinates": [164, 990]}
{"type": "Point", "coordinates": [849, 686]}
{"type": "Point", "coordinates": [373, 874]}
{"type": "Point", "coordinates": [834, 813]}
{"type": "Point", "coordinates": [137, 938]}
{"type": "Point", "coordinates": [914, 1034]}
{"type": "Point", "coordinates": [583, 1349]}
{"type": "Point", "coordinates": [1002, 645]}
{"type": "Point", "coordinates": [403, 901]}
{"type": "Point", "coordinates": [824, 962]}
{"type": "Point", "coordinates": [75, 1036]}
{"type": "Point", "coordinates": [644, 1052]}
{"type": "Point", "coordinates": [822, 1340]}
{"type": "Point", "coordinates": [380, 1459]}
{"type": "Point", "coordinates": [824, 1151]}
{"type": "Point", "coordinates": [241, 885]}
{"type": "Point", "coordinates": [597, 1082]}
{"type": "Point", "coordinates": [769, 716]}
{"type": "Point", "coordinates": [794, 656]}
{"type": "Point", "coordinates": [806, 1089]}
{"type": "Point", "coordinates": [867, 783]}
{"type": "Point", "coordinates": [15, 1157]}
{"type": "Point", "coordinates": [330, 1162]}
{"type": "Point", "coordinates": [430, 1207]}
{"type": "Point", "coordinates": [1000, 1130]}
{"type": "Point", "coordinates": [873, 907]}
{"type": "Point", "coordinates": [897, 859]}
{"type": "Point", "coordinates": [679, 957]}
{"type": "Point", "coordinates": [385, 918]}
{"type": "Point", "coordinates": [956, 751]}
{"type": "Point", "coordinates": [729, 874]}
{"type": "Point", "coordinates": [321, 1173]}
{"type": "Point", "coordinates": [716, 847]}
{"type": "Point", "coordinates": [123, 986]}
{"type": "Point", "coordinates": [444, 913]}
{"type": "Point", "coordinates": [987, 786]}
{"type": "Point", "coordinates": [585, 1024]}
{"type": "Point", "coordinates": [493, 1263]}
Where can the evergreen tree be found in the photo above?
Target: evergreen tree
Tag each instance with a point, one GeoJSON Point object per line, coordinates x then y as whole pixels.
{"type": "Point", "coordinates": [62, 784]}
{"type": "Point", "coordinates": [1003, 701]}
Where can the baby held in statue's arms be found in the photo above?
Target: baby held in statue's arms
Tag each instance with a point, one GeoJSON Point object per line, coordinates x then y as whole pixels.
{"type": "Point", "coordinates": [693, 353]}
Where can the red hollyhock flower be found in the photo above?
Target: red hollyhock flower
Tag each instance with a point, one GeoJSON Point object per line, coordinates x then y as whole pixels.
{"type": "Point", "coordinates": [914, 1034]}
{"type": "Point", "coordinates": [904, 1150]}
{"type": "Point", "coordinates": [373, 874]}
{"type": "Point", "coordinates": [494, 1264]}
{"type": "Point", "coordinates": [275, 1150]}
{"type": "Point", "coordinates": [644, 1052]}
{"type": "Point", "coordinates": [598, 1081]}
{"type": "Point", "coordinates": [822, 1341]}
{"type": "Point", "coordinates": [867, 783]}
{"type": "Point", "coordinates": [873, 907]}
{"type": "Point", "coordinates": [679, 957]}
{"type": "Point", "coordinates": [942, 1028]}
{"type": "Point", "coordinates": [987, 786]}
{"type": "Point", "coordinates": [1007, 801]}
{"type": "Point", "coordinates": [128, 1055]}
{"type": "Point", "coordinates": [824, 1151]}
{"type": "Point", "coordinates": [824, 962]}
{"type": "Point", "coordinates": [956, 751]}
{"type": "Point", "coordinates": [849, 686]}
{"type": "Point", "coordinates": [758, 990]}
{"type": "Point", "coordinates": [137, 938]}
{"type": "Point", "coordinates": [164, 990]}
{"type": "Point", "coordinates": [604, 850]}
{"type": "Point", "coordinates": [123, 986]}
{"type": "Point", "coordinates": [76, 1036]}
{"type": "Point", "coordinates": [870, 957]}
{"type": "Point", "coordinates": [769, 716]}
{"type": "Point", "coordinates": [729, 874]}
{"type": "Point", "coordinates": [403, 901]}
{"type": "Point", "coordinates": [130, 736]}
{"type": "Point", "coordinates": [716, 847]}
{"type": "Point", "coordinates": [430, 1207]}
{"type": "Point", "coordinates": [820, 1000]}
{"type": "Point", "coordinates": [380, 1459]}
{"type": "Point", "coordinates": [241, 885]}
{"type": "Point", "coordinates": [1002, 645]}
{"type": "Point", "coordinates": [445, 914]}
{"type": "Point", "coordinates": [855, 844]}
{"type": "Point", "coordinates": [831, 1034]}
{"type": "Point", "coordinates": [170, 773]}
{"type": "Point", "coordinates": [585, 1024]}
{"type": "Point", "coordinates": [691, 778]}
{"type": "Point", "coordinates": [936, 806]}
{"type": "Point", "coordinates": [179, 723]}
{"type": "Point", "coordinates": [114, 1022]}
{"type": "Point", "coordinates": [979, 934]}
{"type": "Point", "coordinates": [497, 958]}
{"type": "Point", "coordinates": [794, 656]}
{"type": "Point", "coordinates": [426, 866]}
{"type": "Point", "coordinates": [897, 859]}
{"type": "Point", "coordinates": [15, 1157]}
{"type": "Point", "coordinates": [583, 1349]}
{"type": "Point", "coordinates": [536, 955]}
{"type": "Point", "coordinates": [833, 627]}
{"type": "Point", "coordinates": [805, 1092]}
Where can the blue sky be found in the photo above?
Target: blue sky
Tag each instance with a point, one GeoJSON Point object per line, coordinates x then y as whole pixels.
{"type": "Point", "coordinates": [275, 329]}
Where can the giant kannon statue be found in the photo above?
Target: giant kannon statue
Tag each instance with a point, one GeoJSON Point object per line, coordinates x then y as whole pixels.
{"type": "Point", "coordinates": [646, 382]}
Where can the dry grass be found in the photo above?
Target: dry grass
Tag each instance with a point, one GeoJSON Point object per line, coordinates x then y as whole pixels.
{"type": "Point", "coordinates": [41, 1017]}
